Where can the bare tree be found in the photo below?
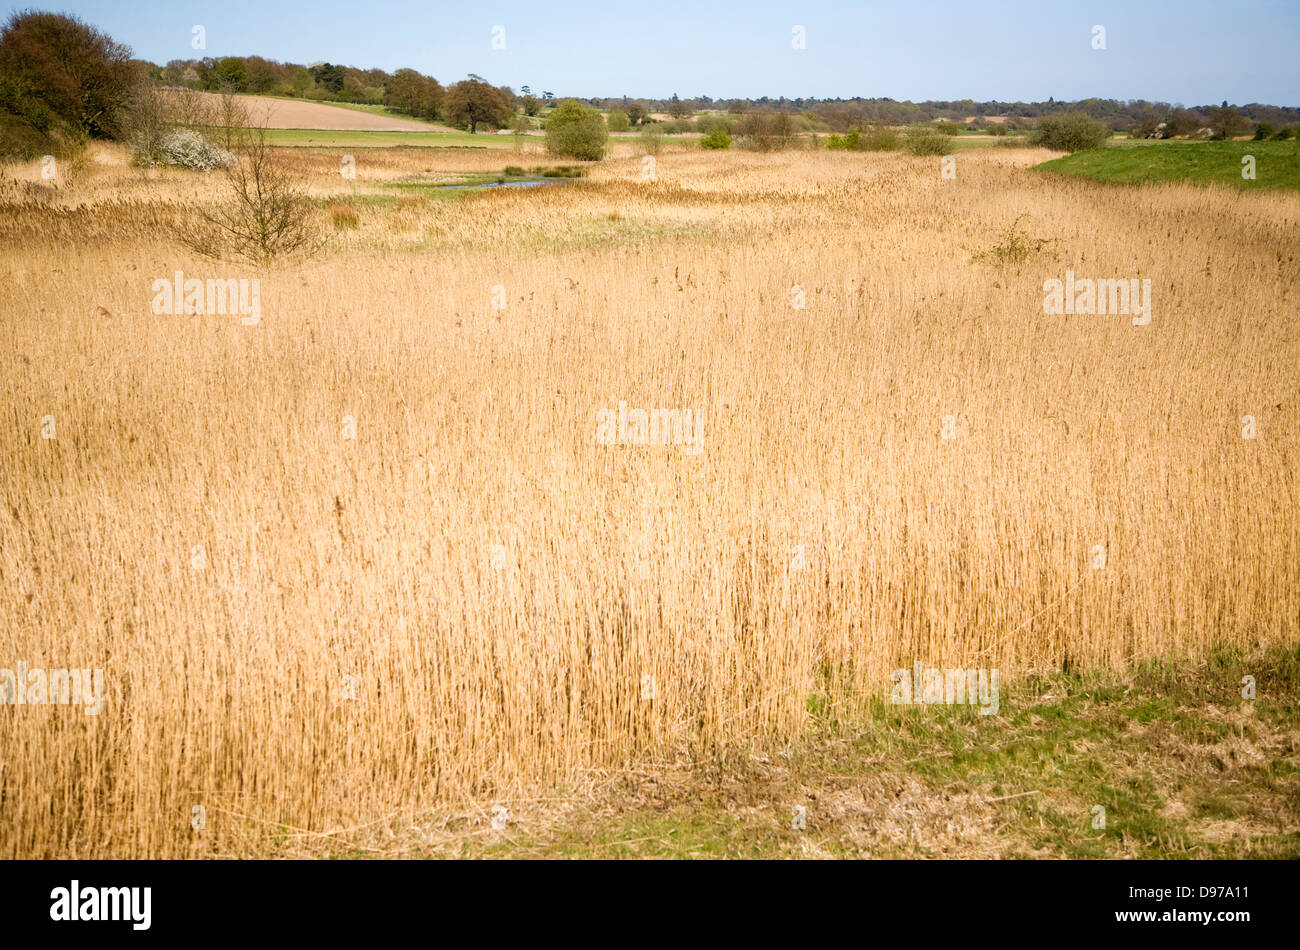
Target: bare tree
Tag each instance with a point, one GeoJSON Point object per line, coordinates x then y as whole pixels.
{"type": "Point", "coordinates": [1225, 120]}
{"type": "Point", "coordinates": [267, 215]}
{"type": "Point", "coordinates": [149, 117]}
{"type": "Point", "coordinates": [232, 120]}
{"type": "Point", "coordinates": [189, 109]}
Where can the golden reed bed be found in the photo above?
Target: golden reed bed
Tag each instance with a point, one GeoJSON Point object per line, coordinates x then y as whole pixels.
{"type": "Point", "coordinates": [310, 641]}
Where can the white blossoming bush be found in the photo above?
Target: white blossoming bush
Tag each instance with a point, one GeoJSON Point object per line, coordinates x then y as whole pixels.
{"type": "Point", "coordinates": [188, 149]}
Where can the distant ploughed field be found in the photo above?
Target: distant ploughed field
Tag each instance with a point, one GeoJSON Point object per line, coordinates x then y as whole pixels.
{"type": "Point", "coordinates": [402, 545]}
{"type": "Point", "coordinates": [301, 114]}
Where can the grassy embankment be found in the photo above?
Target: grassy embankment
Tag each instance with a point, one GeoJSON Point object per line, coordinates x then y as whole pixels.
{"type": "Point", "coordinates": [1277, 164]}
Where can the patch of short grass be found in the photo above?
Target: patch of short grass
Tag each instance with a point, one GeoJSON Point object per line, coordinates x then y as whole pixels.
{"type": "Point", "coordinates": [1181, 765]}
{"type": "Point", "coordinates": [1277, 164]}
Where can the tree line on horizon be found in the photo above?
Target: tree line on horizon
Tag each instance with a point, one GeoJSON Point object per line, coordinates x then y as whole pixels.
{"type": "Point", "coordinates": [61, 77]}
{"type": "Point", "coordinates": [412, 93]}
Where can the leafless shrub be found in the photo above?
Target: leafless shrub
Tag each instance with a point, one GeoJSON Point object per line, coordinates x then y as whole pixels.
{"type": "Point", "coordinates": [189, 109]}
{"type": "Point", "coordinates": [767, 131]}
{"type": "Point", "coordinates": [1014, 247]}
{"type": "Point", "coordinates": [146, 122]}
{"type": "Point", "coordinates": [72, 156]}
{"type": "Point", "coordinates": [267, 215]}
{"type": "Point", "coordinates": [154, 113]}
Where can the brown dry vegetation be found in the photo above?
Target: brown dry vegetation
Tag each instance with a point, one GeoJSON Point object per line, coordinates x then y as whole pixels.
{"type": "Point", "coordinates": [372, 558]}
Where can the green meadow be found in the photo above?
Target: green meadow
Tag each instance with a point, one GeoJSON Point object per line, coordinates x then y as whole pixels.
{"type": "Point", "coordinates": [1277, 164]}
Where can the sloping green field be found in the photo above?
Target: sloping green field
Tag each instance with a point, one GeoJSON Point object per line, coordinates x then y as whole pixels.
{"type": "Point", "coordinates": [1277, 164]}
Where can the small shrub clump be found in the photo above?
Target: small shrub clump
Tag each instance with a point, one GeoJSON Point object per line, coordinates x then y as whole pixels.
{"type": "Point", "coordinates": [767, 131]}
{"type": "Point", "coordinates": [187, 149]}
{"type": "Point", "coordinates": [1014, 247]}
{"type": "Point", "coordinates": [1072, 132]}
{"type": "Point", "coordinates": [845, 143]}
{"type": "Point", "coordinates": [559, 171]}
{"type": "Point", "coordinates": [576, 131]}
{"type": "Point", "coordinates": [882, 138]}
{"type": "Point", "coordinates": [707, 123]}
{"type": "Point", "coordinates": [651, 140]}
{"type": "Point", "coordinates": [716, 139]}
{"type": "Point", "coordinates": [924, 140]}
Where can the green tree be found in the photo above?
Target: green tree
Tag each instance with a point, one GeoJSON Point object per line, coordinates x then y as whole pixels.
{"type": "Point", "coordinates": [300, 82]}
{"type": "Point", "coordinates": [415, 94]}
{"type": "Point", "coordinates": [329, 76]}
{"type": "Point", "coordinates": [576, 131]}
{"type": "Point", "coordinates": [25, 121]}
{"type": "Point", "coordinates": [261, 75]}
{"type": "Point", "coordinates": [229, 73]}
{"type": "Point", "coordinates": [472, 101]}
{"type": "Point", "coordinates": [71, 73]}
{"type": "Point", "coordinates": [618, 121]}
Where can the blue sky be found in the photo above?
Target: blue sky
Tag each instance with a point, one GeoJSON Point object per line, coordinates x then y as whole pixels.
{"type": "Point", "coordinates": [1188, 51]}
